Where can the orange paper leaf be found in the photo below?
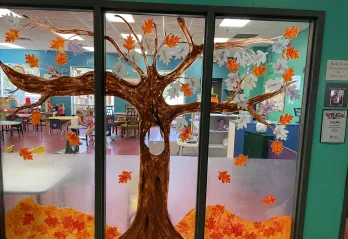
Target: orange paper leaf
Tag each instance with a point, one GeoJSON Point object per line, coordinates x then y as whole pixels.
{"type": "Point", "coordinates": [28, 219]}
{"type": "Point", "coordinates": [51, 221]}
{"type": "Point", "coordinates": [72, 138]}
{"type": "Point", "coordinates": [124, 177]}
{"type": "Point", "coordinates": [269, 232]}
{"type": "Point", "coordinates": [259, 70]}
{"type": "Point", "coordinates": [26, 154]}
{"type": "Point", "coordinates": [269, 200]}
{"type": "Point", "coordinates": [288, 74]}
{"type": "Point", "coordinates": [277, 147]}
{"type": "Point", "coordinates": [186, 134]}
{"type": "Point", "coordinates": [12, 35]}
{"type": "Point", "coordinates": [292, 53]}
{"type": "Point", "coordinates": [285, 119]}
{"type": "Point", "coordinates": [210, 223]}
{"type": "Point", "coordinates": [111, 233]}
{"type": "Point", "coordinates": [61, 58]}
{"type": "Point", "coordinates": [36, 118]}
{"type": "Point", "coordinates": [31, 60]}
{"type": "Point", "coordinates": [240, 160]}
{"type": "Point", "coordinates": [60, 235]}
{"type": "Point", "coordinates": [250, 235]}
{"type": "Point", "coordinates": [129, 43]}
{"type": "Point", "coordinates": [171, 41]}
{"type": "Point", "coordinates": [224, 177]}
{"type": "Point", "coordinates": [57, 44]}
{"type": "Point", "coordinates": [291, 32]}
{"type": "Point", "coordinates": [232, 65]}
{"type": "Point", "coordinates": [148, 26]}
{"type": "Point", "coordinates": [186, 89]}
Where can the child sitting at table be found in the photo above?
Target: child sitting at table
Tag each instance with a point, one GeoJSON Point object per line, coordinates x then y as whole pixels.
{"type": "Point", "coordinates": [61, 110]}
{"type": "Point", "coordinates": [90, 124]}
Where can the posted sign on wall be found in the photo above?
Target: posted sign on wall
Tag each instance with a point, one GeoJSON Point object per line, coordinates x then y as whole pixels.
{"type": "Point", "coordinates": [333, 128]}
{"type": "Point", "coordinates": [337, 70]}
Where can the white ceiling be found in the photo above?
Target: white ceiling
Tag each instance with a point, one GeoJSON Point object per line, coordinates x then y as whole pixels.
{"type": "Point", "coordinates": [41, 38]}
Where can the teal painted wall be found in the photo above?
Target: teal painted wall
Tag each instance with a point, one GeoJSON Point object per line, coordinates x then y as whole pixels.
{"type": "Point", "coordinates": [328, 166]}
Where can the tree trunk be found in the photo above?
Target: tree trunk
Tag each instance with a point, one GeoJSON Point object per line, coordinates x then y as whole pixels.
{"type": "Point", "coordinates": [152, 219]}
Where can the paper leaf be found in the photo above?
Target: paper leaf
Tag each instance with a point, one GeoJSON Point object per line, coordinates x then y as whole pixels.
{"type": "Point", "coordinates": [267, 107]}
{"type": "Point", "coordinates": [76, 48]}
{"type": "Point", "coordinates": [171, 40]}
{"type": "Point", "coordinates": [293, 93]}
{"type": "Point", "coordinates": [148, 26]}
{"type": "Point", "coordinates": [242, 122]}
{"type": "Point", "coordinates": [280, 132]}
{"type": "Point", "coordinates": [239, 98]}
{"type": "Point", "coordinates": [180, 124]}
{"type": "Point", "coordinates": [291, 32]}
{"type": "Point", "coordinates": [124, 177]}
{"type": "Point", "coordinates": [12, 35]}
{"type": "Point", "coordinates": [221, 56]}
{"type": "Point", "coordinates": [164, 55]}
{"type": "Point", "coordinates": [273, 85]}
{"type": "Point", "coordinates": [243, 105]}
{"type": "Point", "coordinates": [174, 90]}
{"type": "Point", "coordinates": [260, 57]}
{"type": "Point", "coordinates": [11, 20]}
{"type": "Point", "coordinates": [288, 74]}
{"type": "Point", "coordinates": [134, 57]}
{"type": "Point", "coordinates": [280, 45]}
{"type": "Point", "coordinates": [280, 66]}
{"type": "Point", "coordinates": [242, 57]}
{"type": "Point", "coordinates": [186, 89]}
{"type": "Point", "coordinates": [181, 51]}
{"type": "Point", "coordinates": [277, 147]}
{"type": "Point", "coordinates": [129, 43]}
{"type": "Point", "coordinates": [232, 81]}
{"type": "Point", "coordinates": [119, 69]}
{"type": "Point", "coordinates": [269, 200]}
{"type": "Point", "coordinates": [224, 177]}
{"type": "Point", "coordinates": [250, 81]}
{"type": "Point", "coordinates": [61, 58]}
{"type": "Point", "coordinates": [259, 70]}
{"type": "Point", "coordinates": [194, 83]}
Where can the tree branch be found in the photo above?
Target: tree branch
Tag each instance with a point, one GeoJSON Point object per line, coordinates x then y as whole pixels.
{"type": "Point", "coordinates": [186, 32]}
{"type": "Point", "coordinates": [154, 60]}
{"type": "Point", "coordinates": [137, 38]}
{"type": "Point", "coordinates": [243, 43]}
{"type": "Point", "coordinates": [88, 33]}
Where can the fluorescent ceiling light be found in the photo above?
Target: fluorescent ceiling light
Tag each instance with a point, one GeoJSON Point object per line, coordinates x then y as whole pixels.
{"type": "Point", "coordinates": [111, 17]}
{"type": "Point", "coordinates": [70, 36]}
{"type": "Point", "coordinates": [219, 40]}
{"type": "Point", "coordinates": [125, 35]}
{"type": "Point", "coordinates": [10, 45]}
{"type": "Point", "coordinates": [233, 23]}
{"type": "Point", "coordinates": [88, 48]}
{"type": "Point", "coordinates": [139, 50]}
{"type": "Point", "coordinates": [4, 11]}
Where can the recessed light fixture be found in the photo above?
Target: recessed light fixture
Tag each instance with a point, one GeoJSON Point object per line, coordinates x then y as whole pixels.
{"type": "Point", "coordinates": [220, 40]}
{"type": "Point", "coordinates": [111, 17]}
{"type": "Point", "coordinates": [10, 45]}
{"type": "Point", "coordinates": [88, 48]}
{"type": "Point", "coordinates": [70, 36]}
{"type": "Point", "coordinates": [4, 11]}
{"type": "Point", "coordinates": [125, 35]}
{"type": "Point", "coordinates": [234, 23]}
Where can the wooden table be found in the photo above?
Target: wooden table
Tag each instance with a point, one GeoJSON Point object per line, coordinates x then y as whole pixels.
{"type": "Point", "coordinates": [7, 123]}
{"type": "Point", "coordinates": [61, 118]}
{"type": "Point", "coordinates": [120, 114]}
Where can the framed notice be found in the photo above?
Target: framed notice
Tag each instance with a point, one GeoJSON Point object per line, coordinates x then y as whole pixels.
{"type": "Point", "coordinates": [333, 126]}
{"type": "Point", "coordinates": [337, 70]}
{"type": "Point", "coordinates": [336, 95]}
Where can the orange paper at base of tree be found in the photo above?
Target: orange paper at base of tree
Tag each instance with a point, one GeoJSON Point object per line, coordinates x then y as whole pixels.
{"type": "Point", "coordinates": [269, 200]}
{"type": "Point", "coordinates": [57, 44]}
{"type": "Point", "coordinates": [171, 41]}
{"type": "Point", "coordinates": [259, 70]}
{"type": "Point", "coordinates": [288, 74]}
{"type": "Point", "coordinates": [31, 60]}
{"type": "Point", "coordinates": [61, 58]}
{"type": "Point", "coordinates": [124, 177]}
{"type": "Point", "coordinates": [148, 26]}
{"type": "Point", "coordinates": [232, 65]}
{"type": "Point", "coordinates": [186, 89]}
{"type": "Point", "coordinates": [285, 119]}
{"type": "Point", "coordinates": [224, 177]}
{"type": "Point", "coordinates": [12, 36]}
{"type": "Point", "coordinates": [36, 118]}
{"type": "Point", "coordinates": [26, 154]}
{"type": "Point", "coordinates": [240, 160]}
{"type": "Point", "coordinates": [292, 53]}
{"type": "Point", "coordinates": [129, 43]}
{"type": "Point", "coordinates": [186, 134]}
{"type": "Point", "coordinates": [72, 138]}
{"type": "Point", "coordinates": [291, 32]}
{"type": "Point", "coordinates": [277, 147]}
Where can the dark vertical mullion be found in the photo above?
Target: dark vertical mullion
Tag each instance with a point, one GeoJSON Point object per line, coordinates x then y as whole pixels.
{"type": "Point", "coordinates": [2, 202]}
{"type": "Point", "coordinates": [100, 140]}
{"type": "Point", "coordinates": [204, 125]}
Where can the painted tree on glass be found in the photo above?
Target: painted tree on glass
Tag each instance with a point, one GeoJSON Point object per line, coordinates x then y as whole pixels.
{"type": "Point", "coordinates": [152, 219]}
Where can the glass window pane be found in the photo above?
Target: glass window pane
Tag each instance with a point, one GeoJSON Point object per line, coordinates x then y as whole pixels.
{"type": "Point", "coordinates": [152, 144]}
{"type": "Point", "coordinates": [257, 85]}
{"type": "Point", "coordinates": [47, 166]}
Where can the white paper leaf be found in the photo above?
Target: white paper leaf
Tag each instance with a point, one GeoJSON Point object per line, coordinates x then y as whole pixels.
{"type": "Point", "coordinates": [119, 69]}
{"type": "Point", "coordinates": [293, 93]}
{"type": "Point", "coordinates": [280, 66]}
{"type": "Point", "coordinates": [250, 81]}
{"type": "Point", "coordinates": [260, 57]}
{"type": "Point", "coordinates": [241, 57]}
{"type": "Point", "coordinates": [164, 55]}
{"type": "Point", "coordinates": [239, 98]}
{"type": "Point", "coordinates": [134, 56]}
{"type": "Point", "coordinates": [232, 80]}
{"type": "Point", "coordinates": [180, 124]}
{"type": "Point", "coordinates": [243, 105]}
{"type": "Point", "coordinates": [274, 85]}
{"type": "Point", "coordinates": [280, 132]}
{"type": "Point", "coordinates": [195, 83]}
{"type": "Point", "coordinates": [280, 45]}
{"type": "Point", "coordinates": [181, 51]}
{"type": "Point", "coordinates": [242, 122]}
{"type": "Point", "coordinates": [221, 56]}
{"type": "Point", "coordinates": [174, 90]}
{"type": "Point", "coordinates": [11, 20]}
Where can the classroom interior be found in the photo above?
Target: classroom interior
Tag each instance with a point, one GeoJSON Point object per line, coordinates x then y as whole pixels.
{"type": "Point", "coordinates": [266, 173]}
